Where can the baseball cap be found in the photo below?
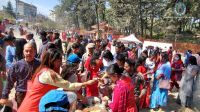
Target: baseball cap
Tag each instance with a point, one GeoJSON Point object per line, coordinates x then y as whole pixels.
{"type": "Point", "coordinates": [73, 58]}
{"type": "Point", "coordinates": [56, 100]}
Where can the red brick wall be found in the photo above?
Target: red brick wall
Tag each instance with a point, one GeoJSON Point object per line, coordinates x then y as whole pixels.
{"type": "Point", "coordinates": [182, 47]}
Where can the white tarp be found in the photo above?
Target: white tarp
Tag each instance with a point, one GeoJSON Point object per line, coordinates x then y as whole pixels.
{"type": "Point", "coordinates": [130, 38]}
{"type": "Point", "coordinates": [163, 46]}
{"type": "Point", "coordinates": [19, 20]}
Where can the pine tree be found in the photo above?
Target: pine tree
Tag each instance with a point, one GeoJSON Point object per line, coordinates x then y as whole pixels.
{"type": "Point", "coordinates": [9, 9]}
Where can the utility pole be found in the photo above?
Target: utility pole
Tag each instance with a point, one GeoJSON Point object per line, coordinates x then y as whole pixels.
{"type": "Point", "coordinates": [141, 18]}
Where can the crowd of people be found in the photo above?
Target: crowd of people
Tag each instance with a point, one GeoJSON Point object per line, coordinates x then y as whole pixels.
{"type": "Point", "coordinates": [86, 73]}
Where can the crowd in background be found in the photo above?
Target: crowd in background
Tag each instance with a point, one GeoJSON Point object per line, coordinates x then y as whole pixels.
{"type": "Point", "coordinates": [92, 72]}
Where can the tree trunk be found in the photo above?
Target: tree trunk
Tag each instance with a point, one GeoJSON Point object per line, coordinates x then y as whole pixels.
{"type": "Point", "coordinates": [141, 20]}
{"type": "Point", "coordinates": [180, 25]}
{"type": "Point", "coordinates": [151, 29]}
{"type": "Point", "coordinates": [199, 24]}
{"type": "Point", "coordinates": [133, 24]}
{"type": "Point", "coordinates": [146, 23]}
{"type": "Point", "coordinates": [97, 13]}
{"type": "Point", "coordinates": [152, 19]}
{"type": "Point", "coordinates": [104, 14]}
{"type": "Point", "coordinates": [77, 22]}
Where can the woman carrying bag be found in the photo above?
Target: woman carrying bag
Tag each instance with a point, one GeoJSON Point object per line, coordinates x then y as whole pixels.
{"type": "Point", "coordinates": [161, 83]}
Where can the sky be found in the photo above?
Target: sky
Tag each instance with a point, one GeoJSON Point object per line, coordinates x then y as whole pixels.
{"type": "Point", "coordinates": [43, 6]}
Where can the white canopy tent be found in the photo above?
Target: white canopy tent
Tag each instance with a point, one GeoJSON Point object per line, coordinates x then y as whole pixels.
{"type": "Point", "coordinates": [130, 38]}
{"type": "Point", "coordinates": [163, 46]}
{"type": "Point", "coordinates": [19, 20]}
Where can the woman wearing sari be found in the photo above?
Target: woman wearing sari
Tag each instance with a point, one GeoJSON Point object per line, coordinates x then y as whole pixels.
{"type": "Point", "coordinates": [159, 95]}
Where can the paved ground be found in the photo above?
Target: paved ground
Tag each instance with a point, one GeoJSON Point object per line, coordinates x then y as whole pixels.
{"type": "Point", "coordinates": [172, 106]}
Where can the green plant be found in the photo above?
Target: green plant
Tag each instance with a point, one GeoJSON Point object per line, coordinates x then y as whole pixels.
{"type": "Point", "coordinates": [159, 36]}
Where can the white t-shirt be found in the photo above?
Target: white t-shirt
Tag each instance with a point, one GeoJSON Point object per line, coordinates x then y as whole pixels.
{"type": "Point", "coordinates": [107, 63]}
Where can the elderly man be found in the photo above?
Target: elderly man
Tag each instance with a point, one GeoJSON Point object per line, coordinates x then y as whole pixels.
{"type": "Point", "coordinates": [20, 72]}
{"type": "Point", "coordinates": [89, 52]}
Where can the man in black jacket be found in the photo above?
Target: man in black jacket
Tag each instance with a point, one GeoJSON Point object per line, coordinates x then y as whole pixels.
{"type": "Point", "coordinates": [57, 41]}
{"type": "Point", "coordinates": [19, 44]}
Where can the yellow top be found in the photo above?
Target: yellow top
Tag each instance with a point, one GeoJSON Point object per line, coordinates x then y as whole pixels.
{"type": "Point", "coordinates": [52, 78]}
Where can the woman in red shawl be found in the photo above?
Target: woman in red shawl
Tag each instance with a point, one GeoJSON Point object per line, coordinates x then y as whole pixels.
{"type": "Point", "coordinates": [144, 101]}
{"type": "Point", "coordinates": [123, 99]}
{"type": "Point", "coordinates": [176, 75]}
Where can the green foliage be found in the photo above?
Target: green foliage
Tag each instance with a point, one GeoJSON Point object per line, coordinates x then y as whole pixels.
{"type": "Point", "coordinates": [86, 12]}
{"type": "Point", "coordinates": [4, 14]}
{"type": "Point", "coordinates": [189, 40]}
{"type": "Point", "coordinates": [80, 13]}
{"type": "Point", "coordinates": [9, 9]}
{"type": "Point", "coordinates": [121, 12]}
{"type": "Point", "coordinates": [188, 32]}
{"type": "Point", "coordinates": [159, 36]}
{"type": "Point", "coordinates": [142, 17]}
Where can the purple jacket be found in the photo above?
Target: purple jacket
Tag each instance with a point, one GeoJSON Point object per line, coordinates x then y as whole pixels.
{"type": "Point", "coordinates": [20, 72]}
